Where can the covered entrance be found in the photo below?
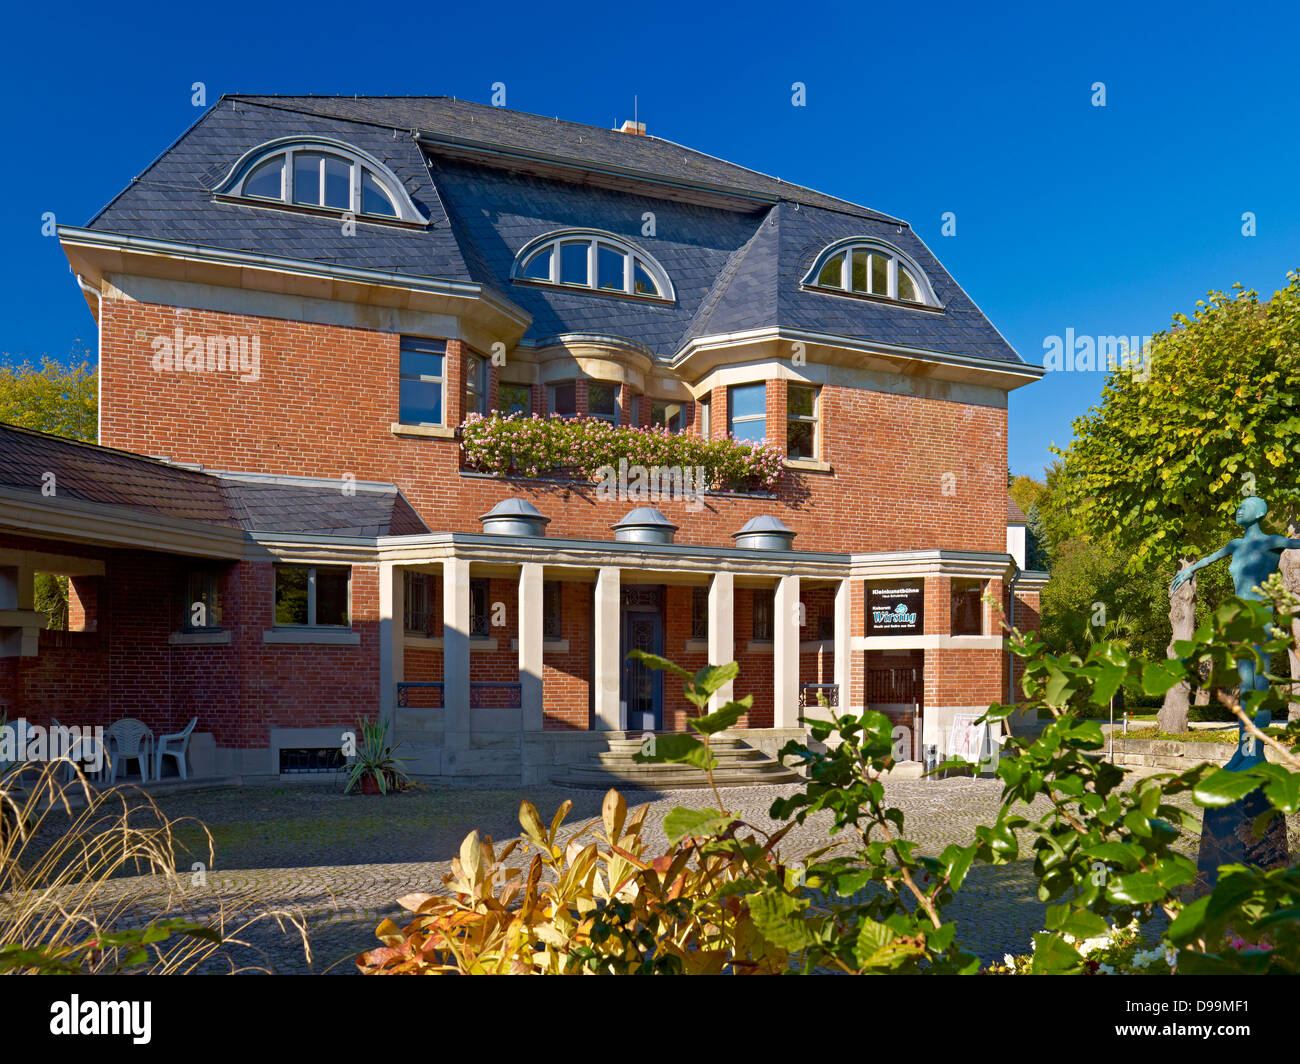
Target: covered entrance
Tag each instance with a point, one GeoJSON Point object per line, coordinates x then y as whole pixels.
{"type": "Point", "coordinates": [896, 688]}
{"type": "Point", "coordinates": [641, 689]}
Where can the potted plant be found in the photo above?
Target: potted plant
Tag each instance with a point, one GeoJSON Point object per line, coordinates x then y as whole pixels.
{"type": "Point", "coordinates": [375, 770]}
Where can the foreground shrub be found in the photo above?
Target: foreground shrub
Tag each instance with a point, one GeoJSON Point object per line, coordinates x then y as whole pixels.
{"type": "Point", "coordinates": [596, 904]}
{"type": "Point", "coordinates": [60, 910]}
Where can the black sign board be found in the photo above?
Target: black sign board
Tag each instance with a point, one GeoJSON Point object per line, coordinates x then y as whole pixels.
{"type": "Point", "coordinates": [896, 608]}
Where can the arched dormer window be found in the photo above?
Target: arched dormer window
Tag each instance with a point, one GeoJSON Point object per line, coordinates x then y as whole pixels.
{"type": "Point", "coordinates": [865, 267]}
{"type": "Point", "coordinates": [320, 174]}
{"type": "Point", "coordinates": [590, 258]}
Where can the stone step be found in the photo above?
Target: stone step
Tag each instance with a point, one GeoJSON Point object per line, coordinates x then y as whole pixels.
{"type": "Point", "coordinates": [739, 765]}
{"type": "Point", "coordinates": [730, 757]}
{"type": "Point", "coordinates": [715, 743]}
{"type": "Point", "coordinates": [596, 779]}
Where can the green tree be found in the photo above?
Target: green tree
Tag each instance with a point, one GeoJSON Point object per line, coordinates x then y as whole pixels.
{"type": "Point", "coordinates": [63, 400]}
{"type": "Point", "coordinates": [1159, 467]}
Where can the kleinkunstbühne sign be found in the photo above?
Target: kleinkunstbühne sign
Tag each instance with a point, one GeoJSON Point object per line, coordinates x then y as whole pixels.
{"type": "Point", "coordinates": [896, 608]}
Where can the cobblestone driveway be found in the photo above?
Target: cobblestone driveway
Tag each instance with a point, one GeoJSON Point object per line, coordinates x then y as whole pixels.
{"type": "Point", "coordinates": [342, 861]}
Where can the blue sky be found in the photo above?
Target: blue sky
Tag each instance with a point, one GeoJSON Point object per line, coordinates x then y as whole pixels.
{"type": "Point", "coordinates": [1104, 220]}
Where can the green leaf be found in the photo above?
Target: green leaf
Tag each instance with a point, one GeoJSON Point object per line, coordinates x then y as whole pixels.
{"type": "Point", "coordinates": [1136, 888]}
{"type": "Point", "coordinates": [1223, 788]}
{"type": "Point", "coordinates": [779, 919]}
{"type": "Point", "coordinates": [656, 662]}
{"type": "Point", "coordinates": [677, 747]}
{"type": "Point", "coordinates": [695, 823]}
{"type": "Point", "coordinates": [1083, 924]}
{"type": "Point", "coordinates": [725, 717]}
{"type": "Point", "coordinates": [1160, 676]}
{"type": "Point", "coordinates": [712, 677]}
{"type": "Point", "coordinates": [1053, 954]}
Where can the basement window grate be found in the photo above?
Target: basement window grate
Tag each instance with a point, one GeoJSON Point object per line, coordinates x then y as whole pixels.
{"type": "Point", "coordinates": [302, 760]}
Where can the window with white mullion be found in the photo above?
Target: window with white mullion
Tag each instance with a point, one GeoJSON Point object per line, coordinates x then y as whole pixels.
{"type": "Point", "coordinates": [865, 268]}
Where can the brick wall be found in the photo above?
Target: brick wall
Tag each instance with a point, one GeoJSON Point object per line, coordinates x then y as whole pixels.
{"type": "Point", "coordinates": [909, 472]}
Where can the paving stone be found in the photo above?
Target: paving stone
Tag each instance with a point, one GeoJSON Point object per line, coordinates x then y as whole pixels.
{"type": "Point", "coordinates": [343, 861]}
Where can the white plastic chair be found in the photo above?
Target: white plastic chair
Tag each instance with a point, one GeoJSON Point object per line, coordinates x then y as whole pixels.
{"type": "Point", "coordinates": [83, 752]}
{"type": "Point", "coordinates": [131, 736]}
{"type": "Point", "coordinates": [180, 743]}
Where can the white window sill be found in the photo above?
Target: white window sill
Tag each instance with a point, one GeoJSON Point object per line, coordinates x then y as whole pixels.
{"type": "Point", "coordinates": [431, 642]}
{"type": "Point", "coordinates": [760, 646]}
{"type": "Point", "coordinates": [321, 636]}
{"type": "Point", "coordinates": [697, 646]}
{"type": "Point", "coordinates": [808, 465]}
{"type": "Point", "coordinates": [549, 646]}
{"type": "Point", "coordinates": [199, 639]}
{"type": "Point", "coordinates": [810, 645]}
{"type": "Point", "coordinates": [436, 432]}
{"type": "Point", "coordinates": [477, 644]}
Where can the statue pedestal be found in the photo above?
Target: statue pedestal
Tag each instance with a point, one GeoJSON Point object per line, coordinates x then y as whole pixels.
{"type": "Point", "coordinates": [1228, 837]}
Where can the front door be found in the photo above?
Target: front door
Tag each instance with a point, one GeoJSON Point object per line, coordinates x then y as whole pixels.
{"type": "Point", "coordinates": [642, 687]}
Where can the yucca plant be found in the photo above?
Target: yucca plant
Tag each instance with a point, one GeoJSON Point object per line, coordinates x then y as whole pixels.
{"type": "Point", "coordinates": [375, 769]}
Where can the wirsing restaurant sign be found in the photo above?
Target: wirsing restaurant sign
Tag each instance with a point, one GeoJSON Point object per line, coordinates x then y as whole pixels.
{"type": "Point", "coordinates": [896, 608]}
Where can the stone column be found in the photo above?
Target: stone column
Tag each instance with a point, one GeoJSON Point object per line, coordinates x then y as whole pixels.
{"type": "Point", "coordinates": [530, 644]}
{"type": "Point", "coordinates": [605, 666]}
{"type": "Point", "coordinates": [455, 650]}
{"type": "Point", "coordinates": [392, 633]}
{"type": "Point", "coordinates": [785, 653]}
{"type": "Point", "coordinates": [843, 645]}
{"type": "Point", "coordinates": [722, 631]}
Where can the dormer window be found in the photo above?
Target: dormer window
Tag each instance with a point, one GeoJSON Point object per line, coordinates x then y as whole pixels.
{"type": "Point", "coordinates": [321, 175]}
{"type": "Point", "coordinates": [595, 260]}
{"type": "Point", "coordinates": [870, 268]}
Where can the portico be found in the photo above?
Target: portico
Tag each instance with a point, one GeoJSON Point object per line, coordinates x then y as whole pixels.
{"type": "Point", "coordinates": [526, 672]}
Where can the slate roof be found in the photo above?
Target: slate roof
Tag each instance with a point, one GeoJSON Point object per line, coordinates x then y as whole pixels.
{"type": "Point", "coordinates": [103, 475]}
{"type": "Point", "coordinates": [1015, 515]}
{"type": "Point", "coordinates": [733, 268]}
{"type": "Point", "coordinates": [116, 478]}
{"type": "Point", "coordinates": [267, 504]}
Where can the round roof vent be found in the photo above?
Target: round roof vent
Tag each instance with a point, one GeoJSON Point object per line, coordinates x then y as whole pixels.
{"type": "Point", "coordinates": [514, 517]}
{"type": "Point", "coordinates": [764, 533]}
{"type": "Point", "coordinates": [645, 524]}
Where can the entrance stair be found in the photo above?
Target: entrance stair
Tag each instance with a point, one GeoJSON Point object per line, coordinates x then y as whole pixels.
{"type": "Point", "coordinates": [739, 765]}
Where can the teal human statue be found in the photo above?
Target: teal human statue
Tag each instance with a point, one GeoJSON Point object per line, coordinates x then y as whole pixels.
{"type": "Point", "coordinates": [1255, 556]}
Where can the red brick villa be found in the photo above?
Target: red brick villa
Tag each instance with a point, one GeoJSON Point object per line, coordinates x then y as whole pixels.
{"type": "Point", "coordinates": [296, 515]}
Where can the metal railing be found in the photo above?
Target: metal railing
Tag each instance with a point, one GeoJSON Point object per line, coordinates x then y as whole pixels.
{"type": "Point", "coordinates": [404, 693]}
{"type": "Point", "coordinates": [496, 695]}
{"type": "Point", "coordinates": [809, 694]}
{"type": "Point", "coordinates": [482, 694]}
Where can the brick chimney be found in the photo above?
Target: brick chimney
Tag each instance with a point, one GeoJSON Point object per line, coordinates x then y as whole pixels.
{"type": "Point", "coordinates": [637, 129]}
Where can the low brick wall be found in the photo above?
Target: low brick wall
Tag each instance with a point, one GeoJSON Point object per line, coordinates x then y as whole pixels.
{"type": "Point", "coordinates": [1174, 754]}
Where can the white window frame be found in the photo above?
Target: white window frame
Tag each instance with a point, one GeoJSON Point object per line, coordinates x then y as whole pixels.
{"type": "Point", "coordinates": [609, 419]}
{"type": "Point", "coordinates": [594, 238]}
{"type": "Point", "coordinates": [358, 161]}
{"type": "Point", "coordinates": [733, 420]}
{"type": "Point", "coordinates": [476, 370]}
{"type": "Point", "coordinates": [893, 256]}
{"type": "Point", "coordinates": [814, 419]}
{"type": "Point", "coordinates": [311, 597]}
{"type": "Point", "coordinates": [528, 391]}
{"type": "Point", "coordinates": [425, 378]}
{"type": "Point", "coordinates": [550, 397]}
